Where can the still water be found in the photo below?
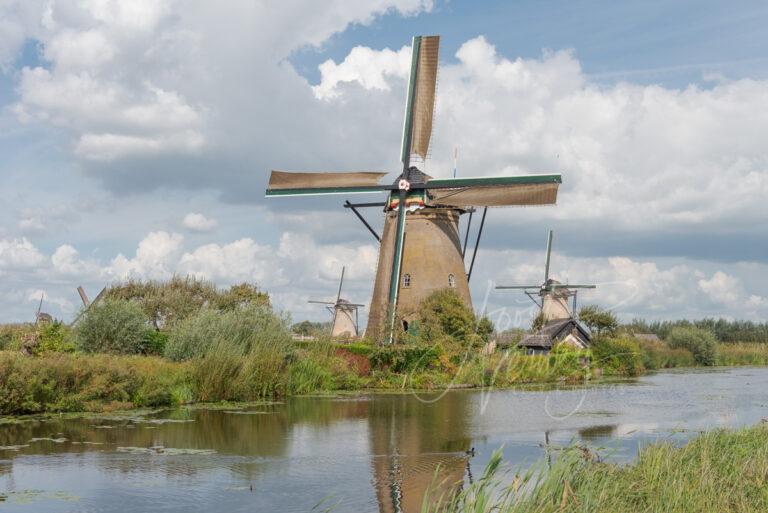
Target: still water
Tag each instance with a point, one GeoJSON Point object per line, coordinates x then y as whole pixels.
{"type": "Point", "coordinates": [369, 453]}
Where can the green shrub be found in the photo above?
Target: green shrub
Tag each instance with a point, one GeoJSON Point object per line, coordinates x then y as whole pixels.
{"type": "Point", "coordinates": [702, 343]}
{"type": "Point", "coordinates": [600, 321]}
{"type": "Point", "coordinates": [112, 326]}
{"type": "Point", "coordinates": [169, 302]}
{"type": "Point", "coordinates": [67, 382]}
{"type": "Point", "coordinates": [307, 375]}
{"type": "Point", "coordinates": [620, 356]}
{"type": "Point", "coordinates": [405, 358]}
{"type": "Point", "coordinates": [238, 355]}
{"type": "Point", "coordinates": [444, 318]}
{"type": "Point", "coordinates": [55, 337]}
{"type": "Point", "coordinates": [155, 342]}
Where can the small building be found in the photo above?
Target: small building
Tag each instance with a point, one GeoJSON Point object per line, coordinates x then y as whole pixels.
{"type": "Point", "coordinates": [559, 331]}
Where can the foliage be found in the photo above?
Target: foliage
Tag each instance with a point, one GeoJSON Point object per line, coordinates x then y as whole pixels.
{"type": "Point", "coordinates": [55, 337]}
{"type": "Point", "coordinates": [538, 322]}
{"type": "Point", "coordinates": [721, 470]}
{"type": "Point", "coordinates": [599, 320]}
{"type": "Point", "coordinates": [700, 342]}
{"type": "Point", "coordinates": [742, 354]}
{"type": "Point", "coordinates": [168, 302]}
{"type": "Point", "coordinates": [443, 314]}
{"type": "Point", "coordinates": [239, 355]}
{"type": "Point", "coordinates": [67, 382]}
{"type": "Point", "coordinates": [617, 356]}
{"type": "Point", "coordinates": [657, 354]}
{"type": "Point", "coordinates": [241, 330]}
{"type": "Point", "coordinates": [405, 358]}
{"type": "Point", "coordinates": [113, 326]}
{"type": "Point", "coordinates": [726, 331]}
{"type": "Point", "coordinates": [311, 329]}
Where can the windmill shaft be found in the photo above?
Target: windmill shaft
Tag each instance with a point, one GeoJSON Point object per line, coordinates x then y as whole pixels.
{"type": "Point", "coordinates": [394, 283]}
{"type": "Point", "coordinates": [477, 243]}
{"type": "Point", "coordinates": [549, 253]}
{"type": "Point", "coordinates": [341, 282]}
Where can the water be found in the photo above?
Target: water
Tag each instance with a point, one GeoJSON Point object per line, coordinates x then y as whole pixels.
{"type": "Point", "coordinates": [369, 453]}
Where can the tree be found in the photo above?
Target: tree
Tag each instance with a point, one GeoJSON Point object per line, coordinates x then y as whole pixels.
{"type": "Point", "coordinates": [598, 320]}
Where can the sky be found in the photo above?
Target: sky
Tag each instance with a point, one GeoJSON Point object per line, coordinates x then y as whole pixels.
{"type": "Point", "coordinates": [136, 140]}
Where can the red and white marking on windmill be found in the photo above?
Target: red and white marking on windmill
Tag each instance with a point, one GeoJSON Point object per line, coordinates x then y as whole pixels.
{"type": "Point", "coordinates": [404, 185]}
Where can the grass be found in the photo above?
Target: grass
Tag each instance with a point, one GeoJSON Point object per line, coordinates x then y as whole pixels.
{"type": "Point", "coordinates": [721, 470]}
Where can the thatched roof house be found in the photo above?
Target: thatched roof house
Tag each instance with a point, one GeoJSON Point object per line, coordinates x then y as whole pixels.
{"type": "Point", "coordinates": [559, 331]}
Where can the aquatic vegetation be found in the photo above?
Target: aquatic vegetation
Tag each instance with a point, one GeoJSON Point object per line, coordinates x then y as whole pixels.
{"type": "Point", "coordinates": [720, 470]}
{"type": "Point", "coordinates": [159, 450]}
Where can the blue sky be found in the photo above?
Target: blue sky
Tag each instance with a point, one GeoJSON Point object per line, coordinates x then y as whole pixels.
{"type": "Point", "coordinates": [136, 141]}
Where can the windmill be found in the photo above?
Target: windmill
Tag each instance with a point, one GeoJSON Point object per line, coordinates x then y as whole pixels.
{"type": "Point", "coordinates": [345, 319]}
{"type": "Point", "coordinates": [554, 295]}
{"type": "Point", "coordinates": [420, 249]}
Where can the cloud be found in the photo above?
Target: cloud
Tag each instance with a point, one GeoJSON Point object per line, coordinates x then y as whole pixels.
{"type": "Point", "coordinates": [156, 258]}
{"type": "Point", "coordinates": [722, 288]}
{"type": "Point", "coordinates": [19, 254]}
{"type": "Point", "coordinates": [238, 261]}
{"type": "Point", "coordinates": [367, 67]}
{"type": "Point", "coordinates": [198, 222]}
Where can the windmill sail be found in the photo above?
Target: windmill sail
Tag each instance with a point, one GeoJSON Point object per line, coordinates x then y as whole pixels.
{"type": "Point", "coordinates": [284, 183]}
{"type": "Point", "coordinates": [424, 97]}
{"type": "Point", "coordinates": [494, 192]}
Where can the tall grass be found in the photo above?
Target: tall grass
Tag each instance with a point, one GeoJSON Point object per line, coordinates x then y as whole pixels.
{"type": "Point", "coordinates": [67, 382]}
{"type": "Point", "coordinates": [720, 471]}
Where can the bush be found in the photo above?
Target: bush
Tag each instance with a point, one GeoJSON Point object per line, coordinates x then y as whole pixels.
{"type": "Point", "coordinates": [55, 337]}
{"type": "Point", "coordinates": [167, 303]}
{"type": "Point", "coordinates": [239, 355]}
{"type": "Point", "coordinates": [236, 330]}
{"type": "Point", "coordinates": [405, 359]}
{"type": "Point", "coordinates": [444, 318]}
{"type": "Point", "coordinates": [620, 356]}
{"type": "Point", "coordinates": [65, 382]}
{"type": "Point", "coordinates": [702, 343]}
{"type": "Point", "coordinates": [600, 321]}
{"type": "Point", "coordinates": [111, 326]}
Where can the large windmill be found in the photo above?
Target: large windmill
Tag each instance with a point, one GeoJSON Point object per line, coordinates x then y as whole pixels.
{"type": "Point", "coordinates": [554, 295]}
{"type": "Point", "coordinates": [345, 318]}
{"type": "Point", "coordinates": [420, 248]}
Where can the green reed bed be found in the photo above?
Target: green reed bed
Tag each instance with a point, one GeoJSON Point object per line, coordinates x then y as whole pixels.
{"type": "Point", "coordinates": [719, 471]}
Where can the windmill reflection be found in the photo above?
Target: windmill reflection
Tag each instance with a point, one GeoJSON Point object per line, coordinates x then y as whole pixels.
{"type": "Point", "coordinates": [409, 440]}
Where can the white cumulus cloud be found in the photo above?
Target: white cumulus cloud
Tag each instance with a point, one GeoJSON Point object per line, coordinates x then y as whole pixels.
{"type": "Point", "coordinates": [198, 222]}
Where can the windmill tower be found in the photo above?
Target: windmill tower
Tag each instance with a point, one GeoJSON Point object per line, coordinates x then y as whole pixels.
{"type": "Point", "coordinates": [345, 319]}
{"type": "Point", "coordinates": [554, 295]}
{"type": "Point", "coordinates": [420, 249]}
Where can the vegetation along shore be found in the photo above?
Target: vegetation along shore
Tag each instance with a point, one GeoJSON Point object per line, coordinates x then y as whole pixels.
{"type": "Point", "coordinates": [720, 470]}
{"type": "Point", "coordinates": [149, 344]}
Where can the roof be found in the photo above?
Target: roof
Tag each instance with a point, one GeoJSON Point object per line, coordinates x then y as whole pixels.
{"type": "Point", "coordinates": [550, 332]}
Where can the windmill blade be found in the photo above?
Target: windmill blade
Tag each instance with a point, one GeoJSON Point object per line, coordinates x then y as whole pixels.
{"type": "Point", "coordinates": [518, 287]}
{"type": "Point", "coordinates": [341, 282]}
{"type": "Point", "coordinates": [567, 286]}
{"type": "Point", "coordinates": [321, 302]}
{"type": "Point", "coordinates": [549, 254]}
{"type": "Point", "coordinates": [500, 191]}
{"type": "Point", "coordinates": [286, 183]}
{"type": "Point", "coordinates": [420, 102]}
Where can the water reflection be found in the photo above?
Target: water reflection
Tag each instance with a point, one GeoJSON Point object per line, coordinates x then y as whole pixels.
{"type": "Point", "coordinates": [365, 454]}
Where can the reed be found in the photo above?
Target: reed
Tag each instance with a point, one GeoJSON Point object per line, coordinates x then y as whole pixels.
{"type": "Point", "coordinates": [721, 470]}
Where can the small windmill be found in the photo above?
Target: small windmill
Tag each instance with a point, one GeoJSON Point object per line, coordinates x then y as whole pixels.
{"type": "Point", "coordinates": [554, 295]}
{"type": "Point", "coordinates": [430, 257]}
{"type": "Point", "coordinates": [345, 318]}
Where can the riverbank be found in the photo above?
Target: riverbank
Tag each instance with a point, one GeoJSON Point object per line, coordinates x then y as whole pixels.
{"type": "Point", "coordinates": [720, 470]}
{"type": "Point", "coordinates": [73, 382]}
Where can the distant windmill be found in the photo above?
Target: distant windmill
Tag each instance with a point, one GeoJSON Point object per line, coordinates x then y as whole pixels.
{"type": "Point", "coordinates": [345, 318]}
{"type": "Point", "coordinates": [420, 248]}
{"type": "Point", "coordinates": [554, 295]}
